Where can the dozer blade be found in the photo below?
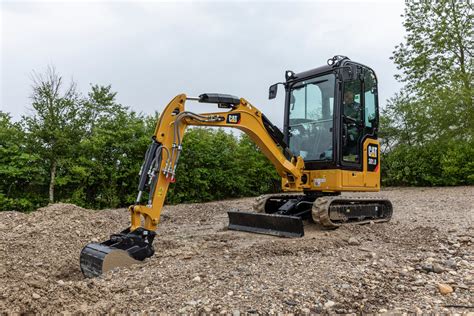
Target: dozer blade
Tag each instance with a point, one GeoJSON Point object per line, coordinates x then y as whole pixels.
{"type": "Point", "coordinates": [269, 224]}
{"type": "Point", "coordinates": [121, 250]}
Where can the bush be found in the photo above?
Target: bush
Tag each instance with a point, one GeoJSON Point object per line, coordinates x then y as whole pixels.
{"type": "Point", "coordinates": [457, 164]}
{"type": "Point", "coordinates": [102, 172]}
{"type": "Point", "coordinates": [433, 164]}
{"type": "Point", "coordinates": [216, 165]}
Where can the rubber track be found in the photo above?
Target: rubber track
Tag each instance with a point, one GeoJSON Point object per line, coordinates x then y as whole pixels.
{"type": "Point", "coordinates": [320, 211]}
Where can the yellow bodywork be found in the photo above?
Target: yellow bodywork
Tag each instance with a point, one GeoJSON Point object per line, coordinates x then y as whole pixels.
{"type": "Point", "coordinates": [294, 176]}
{"type": "Point", "coordinates": [338, 180]}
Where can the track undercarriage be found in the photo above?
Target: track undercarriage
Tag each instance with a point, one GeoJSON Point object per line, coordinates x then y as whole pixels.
{"type": "Point", "coordinates": [283, 214]}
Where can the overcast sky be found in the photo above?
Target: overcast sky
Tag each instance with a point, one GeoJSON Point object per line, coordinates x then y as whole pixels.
{"type": "Point", "coordinates": [151, 51]}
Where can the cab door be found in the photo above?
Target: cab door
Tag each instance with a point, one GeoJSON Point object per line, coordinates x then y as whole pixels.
{"type": "Point", "coordinates": [359, 121]}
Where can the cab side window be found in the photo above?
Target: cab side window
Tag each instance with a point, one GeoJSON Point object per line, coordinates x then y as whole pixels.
{"type": "Point", "coordinates": [352, 120]}
{"type": "Point", "coordinates": [370, 96]}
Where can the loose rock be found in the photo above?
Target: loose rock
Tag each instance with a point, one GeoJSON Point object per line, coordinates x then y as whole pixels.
{"type": "Point", "coordinates": [197, 263]}
{"type": "Point", "coordinates": [437, 268]}
{"type": "Point", "coordinates": [445, 289]}
{"type": "Point", "coordinates": [353, 241]}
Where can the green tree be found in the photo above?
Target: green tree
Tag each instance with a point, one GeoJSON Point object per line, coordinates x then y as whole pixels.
{"type": "Point", "coordinates": [436, 66]}
{"type": "Point", "coordinates": [206, 168]}
{"type": "Point", "coordinates": [97, 109]}
{"type": "Point", "coordinates": [217, 165]}
{"type": "Point", "coordinates": [115, 153]}
{"type": "Point", "coordinates": [20, 170]}
{"type": "Point", "coordinates": [104, 170]}
{"type": "Point", "coordinates": [101, 105]}
{"type": "Point", "coordinates": [427, 129]}
{"type": "Point", "coordinates": [57, 123]}
{"type": "Point", "coordinates": [89, 150]}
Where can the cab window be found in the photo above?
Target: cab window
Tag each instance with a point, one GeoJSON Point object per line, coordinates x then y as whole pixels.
{"type": "Point", "coordinates": [311, 118]}
{"type": "Point", "coordinates": [352, 121]}
{"type": "Point", "coordinates": [370, 95]}
{"type": "Point", "coordinates": [359, 115]}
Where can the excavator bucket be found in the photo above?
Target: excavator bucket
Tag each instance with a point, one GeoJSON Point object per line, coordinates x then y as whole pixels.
{"type": "Point", "coordinates": [269, 224]}
{"type": "Point", "coordinates": [97, 259]}
{"type": "Point", "coordinates": [121, 250]}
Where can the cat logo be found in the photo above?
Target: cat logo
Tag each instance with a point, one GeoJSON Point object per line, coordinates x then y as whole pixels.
{"type": "Point", "coordinates": [233, 118]}
{"type": "Point", "coordinates": [372, 151]}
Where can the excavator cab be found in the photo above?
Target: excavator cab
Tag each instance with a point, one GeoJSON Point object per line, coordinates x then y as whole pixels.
{"type": "Point", "coordinates": [329, 112]}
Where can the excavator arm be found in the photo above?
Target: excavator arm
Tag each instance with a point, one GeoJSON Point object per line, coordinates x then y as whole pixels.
{"type": "Point", "coordinates": [159, 170]}
{"type": "Point", "coordinates": [160, 165]}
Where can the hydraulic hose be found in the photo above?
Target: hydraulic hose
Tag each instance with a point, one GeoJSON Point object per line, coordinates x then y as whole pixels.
{"type": "Point", "coordinates": [170, 169]}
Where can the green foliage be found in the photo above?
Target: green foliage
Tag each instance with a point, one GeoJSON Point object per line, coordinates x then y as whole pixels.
{"type": "Point", "coordinates": [412, 165]}
{"type": "Point", "coordinates": [104, 171]}
{"type": "Point", "coordinates": [437, 69]}
{"type": "Point", "coordinates": [457, 164]}
{"type": "Point", "coordinates": [436, 61]}
{"type": "Point", "coordinates": [254, 168]}
{"type": "Point", "coordinates": [217, 165]}
{"type": "Point", "coordinates": [427, 129]}
{"type": "Point", "coordinates": [57, 123]}
{"type": "Point", "coordinates": [20, 169]}
{"type": "Point", "coordinates": [89, 150]}
{"type": "Point", "coordinates": [430, 164]}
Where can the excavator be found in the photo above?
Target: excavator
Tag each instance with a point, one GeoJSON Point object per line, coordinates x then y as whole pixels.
{"type": "Point", "coordinates": [328, 145]}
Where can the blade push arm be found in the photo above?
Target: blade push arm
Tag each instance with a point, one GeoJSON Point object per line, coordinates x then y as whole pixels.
{"type": "Point", "coordinates": [162, 157]}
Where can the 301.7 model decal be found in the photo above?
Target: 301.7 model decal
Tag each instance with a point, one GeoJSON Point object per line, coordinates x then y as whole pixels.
{"type": "Point", "coordinates": [372, 157]}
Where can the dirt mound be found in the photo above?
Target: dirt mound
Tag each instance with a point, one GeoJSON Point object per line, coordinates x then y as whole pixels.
{"type": "Point", "coordinates": [199, 266]}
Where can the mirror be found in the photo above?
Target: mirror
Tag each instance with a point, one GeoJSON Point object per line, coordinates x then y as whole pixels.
{"type": "Point", "coordinates": [272, 91]}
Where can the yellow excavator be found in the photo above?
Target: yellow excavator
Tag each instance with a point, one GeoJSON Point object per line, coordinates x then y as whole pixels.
{"type": "Point", "coordinates": [328, 145]}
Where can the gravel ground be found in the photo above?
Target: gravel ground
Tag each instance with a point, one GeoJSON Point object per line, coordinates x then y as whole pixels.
{"type": "Point", "coordinates": [200, 267]}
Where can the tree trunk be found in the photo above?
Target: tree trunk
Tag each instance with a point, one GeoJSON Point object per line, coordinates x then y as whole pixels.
{"type": "Point", "coordinates": [51, 183]}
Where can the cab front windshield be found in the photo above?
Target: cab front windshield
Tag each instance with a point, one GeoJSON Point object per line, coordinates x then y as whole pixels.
{"type": "Point", "coordinates": [311, 118]}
